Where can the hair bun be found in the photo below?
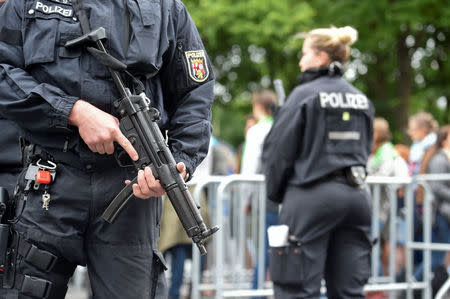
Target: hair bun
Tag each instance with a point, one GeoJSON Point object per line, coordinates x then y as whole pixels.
{"type": "Point", "coordinates": [347, 35]}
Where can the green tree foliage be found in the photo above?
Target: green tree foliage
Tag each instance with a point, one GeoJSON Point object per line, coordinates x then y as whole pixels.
{"type": "Point", "coordinates": [250, 43]}
{"type": "Point", "coordinates": [403, 54]}
{"type": "Point", "coordinates": [400, 59]}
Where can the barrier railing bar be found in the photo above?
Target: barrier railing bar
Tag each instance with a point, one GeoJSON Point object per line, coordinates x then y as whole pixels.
{"type": "Point", "coordinates": [432, 246]}
{"type": "Point", "coordinates": [223, 197]}
{"type": "Point", "coordinates": [367, 288]}
{"type": "Point", "coordinates": [375, 230]}
{"type": "Point", "coordinates": [409, 237]}
{"type": "Point", "coordinates": [261, 237]}
{"type": "Point", "coordinates": [219, 214]}
{"type": "Point", "coordinates": [443, 290]}
{"type": "Point", "coordinates": [392, 235]}
{"type": "Point", "coordinates": [427, 275]}
{"type": "Point", "coordinates": [394, 286]}
{"type": "Point", "coordinates": [196, 271]}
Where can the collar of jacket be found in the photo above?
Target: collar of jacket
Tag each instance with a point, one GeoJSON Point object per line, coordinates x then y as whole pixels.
{"type": "Point", "coordinates": [335, 68]}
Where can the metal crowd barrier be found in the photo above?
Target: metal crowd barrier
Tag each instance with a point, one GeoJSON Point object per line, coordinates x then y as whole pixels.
{"type": "Point", "coordinates": [228, 276]}
{"type": "Point", "coordinates": [228, 245]}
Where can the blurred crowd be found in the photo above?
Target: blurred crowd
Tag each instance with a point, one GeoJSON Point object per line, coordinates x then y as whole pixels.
{"type": "Point", "coordinates": [429, 153]}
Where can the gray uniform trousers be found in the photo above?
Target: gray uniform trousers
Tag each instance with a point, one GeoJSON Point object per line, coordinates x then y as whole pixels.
{"type": "Point", "coordinates": [331, 220]}
{"type": "Point", "coordinates": [121, 257]}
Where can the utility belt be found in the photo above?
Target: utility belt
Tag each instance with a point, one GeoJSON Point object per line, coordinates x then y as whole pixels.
{"type": "Point", "coordinates": [354, 176]}
{"type": "Point", "coordinates": [40, 170]}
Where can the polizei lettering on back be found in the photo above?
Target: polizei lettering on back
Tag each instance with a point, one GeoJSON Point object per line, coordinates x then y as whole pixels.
{"type": "Point", "coordinates": [345, 101]}
{"type": "Point", "coordinates": [51, 9]}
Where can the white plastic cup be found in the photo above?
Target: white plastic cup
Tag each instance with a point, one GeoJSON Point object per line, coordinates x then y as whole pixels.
{"type": "Point", "coordinates": [278, 235]}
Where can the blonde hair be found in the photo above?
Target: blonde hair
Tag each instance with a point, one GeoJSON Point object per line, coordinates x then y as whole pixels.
{"type": "Point", "coordinates": [334, 41]}
{"type": "Point", "coordinates": [426, 121]}
{"type": "Point", "coordinates": [382, 127]}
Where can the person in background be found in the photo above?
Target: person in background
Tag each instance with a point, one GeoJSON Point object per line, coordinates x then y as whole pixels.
{"type": "Point", "coordinates": [422, 129]}
{"type": "Point", "coordinates": [385, 161]}
{"type": "Point", "coordinates": [250, 121]}
{"type": "Point", "coordinates": [173, 239]}
{"type": "Point", "coordinates": [263, 103]}
{"type": "Point", "coordinates": [403, 151]}
{"type": "Point", "coordinates": [315, 157]}
{"type": "Point", "coordinates": [436, 160]}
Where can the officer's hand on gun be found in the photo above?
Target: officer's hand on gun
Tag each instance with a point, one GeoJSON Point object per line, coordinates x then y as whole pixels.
{"type": "Point", "coordinates": [148, 186]}
{"type": "Point", "coordinates": [99, 130]}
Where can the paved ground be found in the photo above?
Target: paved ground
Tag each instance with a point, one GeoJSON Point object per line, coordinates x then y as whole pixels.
{"type": "Point", "coordinates": [76, 294]}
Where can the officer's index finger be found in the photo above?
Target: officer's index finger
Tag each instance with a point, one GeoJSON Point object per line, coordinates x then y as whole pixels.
{"type": "Point", "coordinates": [126, 145]}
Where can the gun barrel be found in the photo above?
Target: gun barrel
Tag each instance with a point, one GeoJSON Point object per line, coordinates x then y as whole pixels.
{"type": "Point", "coordinates": [279, 90]}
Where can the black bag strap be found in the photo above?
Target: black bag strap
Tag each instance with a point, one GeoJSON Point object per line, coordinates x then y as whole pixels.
{"type": "Point", "coordinates": [81, 15]}
{"type": "Point", "coordinates": [104, 58]}
{"type": "Point", "coordinates": [41, 259]}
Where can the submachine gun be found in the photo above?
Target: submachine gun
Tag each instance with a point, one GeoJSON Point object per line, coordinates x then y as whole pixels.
{"type": "Point", "coordinates": [138, 122]}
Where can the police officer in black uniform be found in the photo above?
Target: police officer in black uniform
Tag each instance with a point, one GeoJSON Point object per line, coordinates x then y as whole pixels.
{"type": "Point", "coordinates": [314, 159]}
{"type": "Point", "coordinates": [10, 156]}
{"type": "Point", "coordinates": [63, 100]}
{"type": "Point", "coordinates": [10, 166]}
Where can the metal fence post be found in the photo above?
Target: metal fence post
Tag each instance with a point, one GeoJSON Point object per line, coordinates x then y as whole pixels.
{"type": "Point", "coordinates": [196, 258]}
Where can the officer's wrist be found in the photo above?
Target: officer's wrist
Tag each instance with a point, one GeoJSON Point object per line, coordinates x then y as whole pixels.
{"type": "Point", "coordinates": [76, 112]}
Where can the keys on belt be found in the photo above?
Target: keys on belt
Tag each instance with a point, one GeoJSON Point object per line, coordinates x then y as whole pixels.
{"type": "Point", "coordinates": [40, 173]}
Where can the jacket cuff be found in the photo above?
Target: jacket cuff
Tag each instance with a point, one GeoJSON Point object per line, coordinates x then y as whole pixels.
{"type": "Point", "coordinates": [60, 119]}
{"type": "Point", "coordinates": [181, 157]}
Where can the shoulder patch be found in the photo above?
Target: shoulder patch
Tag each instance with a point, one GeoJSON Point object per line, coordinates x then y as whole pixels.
{"type": "Point", "coordinates": [197, 65]}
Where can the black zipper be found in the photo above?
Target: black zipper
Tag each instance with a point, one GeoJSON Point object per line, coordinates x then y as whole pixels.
{"type": "Point", "coordinates": [182, 63]}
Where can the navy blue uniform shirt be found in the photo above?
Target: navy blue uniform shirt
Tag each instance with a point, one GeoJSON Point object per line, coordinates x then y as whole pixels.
{"type": "Point", "coordinates": [10, 157]}
{"type": "Point", "coordinates": [40, 79]}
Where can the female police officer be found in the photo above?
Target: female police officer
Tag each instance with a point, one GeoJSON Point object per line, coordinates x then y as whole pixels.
{"type": "Point", "coordinates": [314, 157]}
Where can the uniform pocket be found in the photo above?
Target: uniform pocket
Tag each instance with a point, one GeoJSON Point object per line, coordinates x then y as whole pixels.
{"type": "Point", "coordinates": [39, 41]}
{"type": "Point", "coordinates": [42, 22]}
{"type": "Point", "coordinates": [159, 260]}
{"type": "Point", "coordinates": [63, 52]}
{"type": "Point", "coordinates": [143, 56]}
{"type": "Point", "coordinates": [159, 284]}
{"type": "Point", "coordinates": [343, 131]}
{"type": "Point", "coordinates": [286, 264]}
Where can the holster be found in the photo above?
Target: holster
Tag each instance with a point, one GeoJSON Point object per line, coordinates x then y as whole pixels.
{"type": "Point", "coordinates": [38, 258]}
{"type": "Point", "coordinates": [356, 175]}
{"type": "Point", "coordinates": [32, 153]}
{"type": "Point", "coordinates": [5, 229]}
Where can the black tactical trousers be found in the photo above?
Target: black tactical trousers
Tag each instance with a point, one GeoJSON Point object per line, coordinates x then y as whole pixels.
{"type": "Point", "coordinates": [8, 181]}
{"type": "Point", "coordinates": [121, 257]}
{"type": "Point", "coordinates": [331, 221]}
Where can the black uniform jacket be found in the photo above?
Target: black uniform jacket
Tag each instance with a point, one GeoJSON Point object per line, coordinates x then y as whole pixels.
{"type": "Point", "coordinates": [40, 79]}
{"type": "Point", "coordinates": [10, 157]}
{"type": "Point", "coordinates": [325, 125]}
